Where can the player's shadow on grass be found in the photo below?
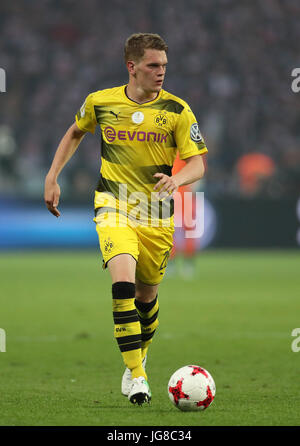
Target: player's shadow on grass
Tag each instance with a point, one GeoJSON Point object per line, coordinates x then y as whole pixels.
{"type": "Point", "coordinates": [102, 406]}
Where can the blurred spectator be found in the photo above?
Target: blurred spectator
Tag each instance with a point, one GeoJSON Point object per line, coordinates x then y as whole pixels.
{"type": "Point", "coordinates": [230, 60]}
{"type": "Point", "coordinates": [254, 169]}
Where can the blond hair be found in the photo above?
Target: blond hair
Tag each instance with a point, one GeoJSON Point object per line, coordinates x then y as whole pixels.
{"type": "Point", "coordinates": [136, 44]}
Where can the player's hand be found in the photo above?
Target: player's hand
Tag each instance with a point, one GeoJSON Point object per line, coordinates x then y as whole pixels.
{"type": "Point", "coordinates": [51, 196]}
{"type": "Point", "coordinates": [166, 185]}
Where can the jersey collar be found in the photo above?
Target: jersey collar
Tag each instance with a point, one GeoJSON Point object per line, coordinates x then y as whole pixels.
{"type": "Point", "coordinates": [131, 101]}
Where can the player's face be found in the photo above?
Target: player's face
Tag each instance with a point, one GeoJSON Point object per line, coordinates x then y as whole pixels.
{"type": "Point", "coordinates": [150, 71]}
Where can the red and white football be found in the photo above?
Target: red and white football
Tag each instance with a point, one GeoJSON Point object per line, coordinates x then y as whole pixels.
{"type": "Point", "coordinates": [191, 388]}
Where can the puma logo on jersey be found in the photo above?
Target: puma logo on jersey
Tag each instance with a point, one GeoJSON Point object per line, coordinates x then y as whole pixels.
{"type": "Point", "coordinates": [115, 114]}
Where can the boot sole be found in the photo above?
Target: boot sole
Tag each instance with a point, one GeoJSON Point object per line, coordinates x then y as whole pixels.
{"type": "Point", "coordinates": [140, 398]}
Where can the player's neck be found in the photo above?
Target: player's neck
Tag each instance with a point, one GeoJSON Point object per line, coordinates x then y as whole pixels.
{"type": "Point", "coordinates": [139, 95]}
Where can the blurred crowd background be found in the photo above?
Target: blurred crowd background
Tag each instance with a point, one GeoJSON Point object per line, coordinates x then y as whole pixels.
{"type": "Point", "coordinates": [230, 60]}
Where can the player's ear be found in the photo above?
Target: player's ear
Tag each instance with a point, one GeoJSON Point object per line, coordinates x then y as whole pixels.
{"type": "Point", "coordinates": [131, 67]}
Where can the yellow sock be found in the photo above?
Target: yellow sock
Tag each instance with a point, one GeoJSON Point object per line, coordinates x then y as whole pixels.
{"type": "Point", "coordinates": [148, 317]}
{"type": "Point", "coordinates": [127, 328]}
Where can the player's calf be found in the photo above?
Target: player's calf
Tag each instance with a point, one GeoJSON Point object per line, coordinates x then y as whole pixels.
{"type": "Point", "coordinates": [127, 328]}
{"type": "Point", "coordinates": [148, 317]}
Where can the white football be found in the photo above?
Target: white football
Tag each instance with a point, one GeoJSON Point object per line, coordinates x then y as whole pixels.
{"type": "Point", "coordinates": [191, 388]}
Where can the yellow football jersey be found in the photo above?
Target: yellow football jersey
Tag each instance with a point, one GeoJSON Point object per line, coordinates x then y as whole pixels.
{"type": "Point", "coordinates": [138, 140]}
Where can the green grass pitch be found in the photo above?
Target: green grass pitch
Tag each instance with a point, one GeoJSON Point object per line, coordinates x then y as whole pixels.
{"type": "Point", "coordinates": [235, 318]}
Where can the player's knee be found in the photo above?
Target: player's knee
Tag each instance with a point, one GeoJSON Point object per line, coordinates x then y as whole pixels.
{"type": "Point", "coordinates": [145, 295]}
{"type": "Point", "coordinates": [122, 268]}
{"type": "Point", "coordinates": [145, 298]}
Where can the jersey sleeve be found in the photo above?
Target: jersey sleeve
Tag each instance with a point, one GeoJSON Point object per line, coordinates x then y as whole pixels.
{"type": "Point", "coordinates": [189, 140]}
{"type": "Point", "coordinates": [85, 117]}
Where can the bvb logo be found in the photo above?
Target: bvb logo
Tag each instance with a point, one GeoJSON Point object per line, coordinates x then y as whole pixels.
{"type": "Point", "coordinates": [108, 245]}
{"type": "Point", "coordinates": [160, 119]}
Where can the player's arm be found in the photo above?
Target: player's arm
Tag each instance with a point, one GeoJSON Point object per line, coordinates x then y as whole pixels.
{"type": "Point", "coordinates": [64, 152]}
{"type": "Point", "coordinates": [192, 171]}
